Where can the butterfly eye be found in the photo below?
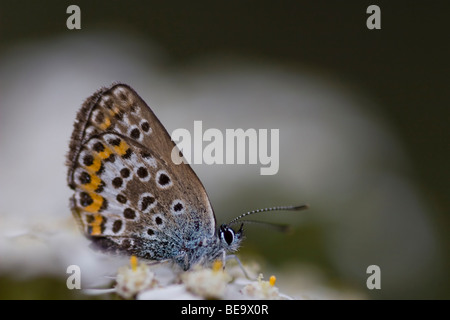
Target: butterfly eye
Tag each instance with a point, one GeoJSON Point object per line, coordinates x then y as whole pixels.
{"type": "Point", "coordinates": [227, 234]}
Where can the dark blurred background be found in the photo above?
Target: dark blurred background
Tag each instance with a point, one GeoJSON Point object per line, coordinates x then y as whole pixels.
{"type": "Point", "coordinates": [404, 68]}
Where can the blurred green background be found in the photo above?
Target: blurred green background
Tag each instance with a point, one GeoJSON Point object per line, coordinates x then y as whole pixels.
{"type": "Point", "coordinates": [402, 70]}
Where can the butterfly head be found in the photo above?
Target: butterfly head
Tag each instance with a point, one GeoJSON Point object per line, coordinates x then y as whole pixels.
{"type": "Point", "coordinates": [230, 239]}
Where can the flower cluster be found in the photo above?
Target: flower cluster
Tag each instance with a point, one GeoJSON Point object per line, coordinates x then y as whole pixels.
{"type": "Point", "coordinates": [140, 282]}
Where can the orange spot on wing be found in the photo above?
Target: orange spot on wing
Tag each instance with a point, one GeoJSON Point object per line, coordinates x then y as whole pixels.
{"type": "Point", "coordinates": [105, 153]}
{"type": "Point", "coordinates": [95, 206]}
{"type": "Point", "coordinates": [95, 166]}
{"type": "Point", "coordinates": [96, 225]}
{"type": "Point", "coordinates": [122, 148]}
{"type": "Point", "coordinates": [105, 124]}
{"type": "Point", "coordinates": [93, 185]}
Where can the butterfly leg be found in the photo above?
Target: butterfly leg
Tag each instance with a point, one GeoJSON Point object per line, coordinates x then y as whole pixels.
{"type": "Point", "coordinates": [158, 262]}
{"type": "Point", "coordinates": [232, 256]}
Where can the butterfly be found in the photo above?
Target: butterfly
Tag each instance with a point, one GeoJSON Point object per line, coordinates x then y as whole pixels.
{"type": "Point", "coordinates": [130, 197]}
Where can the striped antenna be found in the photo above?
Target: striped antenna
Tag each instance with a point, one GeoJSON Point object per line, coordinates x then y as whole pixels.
{"type": "Point", "coordinates": [277, 226]}
{"type": "Point", "coordinates": [283, 208]}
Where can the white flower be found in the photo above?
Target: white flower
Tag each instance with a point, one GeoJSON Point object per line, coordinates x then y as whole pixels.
{"type": "Point", "coordinates": [263, 290]}
{"type": "Point", "coordinates": [170, 292]}
{"type": "Point", "coordinates": [207, 283]}
{"type": "Point", "coordinates": [135, 279]}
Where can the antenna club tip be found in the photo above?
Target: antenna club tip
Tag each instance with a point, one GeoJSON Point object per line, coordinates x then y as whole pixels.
{"type": "Point", "coordinates": [301, 207]}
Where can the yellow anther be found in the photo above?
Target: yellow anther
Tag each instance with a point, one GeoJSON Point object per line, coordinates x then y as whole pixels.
{"type": "Point", "coordinates": [217, 265]}
{"type": "Point", "coordinates": [272, 280]}
{"type": "Point", "coordinates": [134, 263]}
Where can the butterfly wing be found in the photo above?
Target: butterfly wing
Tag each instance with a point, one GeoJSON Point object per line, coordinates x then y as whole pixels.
{"type": "Point", "coordinates": [127, 188]}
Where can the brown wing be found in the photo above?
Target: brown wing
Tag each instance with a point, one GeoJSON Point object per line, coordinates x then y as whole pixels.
{"type": "Point", "coordinates": [121, 169]}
